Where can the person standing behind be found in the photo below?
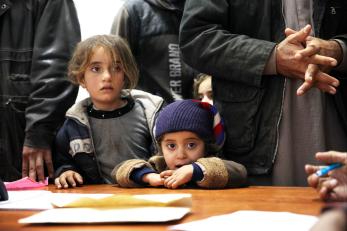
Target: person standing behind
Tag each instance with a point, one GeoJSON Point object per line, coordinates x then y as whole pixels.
{"type": "Point", "coordinates": [111, 126]}
{"type": "Point", "coordinates": [258, 74]}
{"type": "Point", "coordinates": [36, 40]}
{"type": "Point", "coordinates": [151, 28]}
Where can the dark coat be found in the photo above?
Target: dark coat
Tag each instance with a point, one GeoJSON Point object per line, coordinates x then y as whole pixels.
{"type": "Point", "coordinates": [232, 41]}
{"type": "Point", "coordinates": [151, 27]}
{"type": "Point", "coordinates": [37, 38]}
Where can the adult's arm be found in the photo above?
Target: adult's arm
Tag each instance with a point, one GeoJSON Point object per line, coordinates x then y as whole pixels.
{"type": "Point", "coordinates": [57, 33]}
{"type": "Point", "coordinates": [209, 46]}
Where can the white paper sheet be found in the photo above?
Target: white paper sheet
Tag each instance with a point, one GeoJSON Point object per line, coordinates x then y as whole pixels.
{"type": "Point", "coordinates": [27, 200]}
{"type": "Point", "coordinates": [250, 221]}
{"type": "Point", "coordinates": [87, 215]}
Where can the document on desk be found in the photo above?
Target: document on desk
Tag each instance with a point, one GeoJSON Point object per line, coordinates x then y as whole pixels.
{"type": "Point", "coordinates": [27, 200]}
{"type": "Point", "coordinates": [109, 208]}
{"type": "Point", "coordinates": [248, 220]}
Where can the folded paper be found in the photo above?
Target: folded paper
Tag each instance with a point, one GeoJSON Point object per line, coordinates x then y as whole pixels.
{"type": "Point", "coordinates": [25, 183]}
{"type": "Point", "coordinates": [123, 201]}
{"type": "Point", "coordinates": [109, 208]}
{"type": "Point", "coordinates": [92, 215]}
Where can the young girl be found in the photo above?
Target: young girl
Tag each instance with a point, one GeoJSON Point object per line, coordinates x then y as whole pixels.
{"type": "Point", "coordinates": [112, 125]}
{"type": "Point", "coordinates": [189, 134]}
{"type": "Point", "coordinates": [202, 88]}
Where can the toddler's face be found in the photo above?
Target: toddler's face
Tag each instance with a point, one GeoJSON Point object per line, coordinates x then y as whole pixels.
{"type": "Point", "coordinates": [181, 148]}
{"type": "Point", "coordinates": [104, 81]}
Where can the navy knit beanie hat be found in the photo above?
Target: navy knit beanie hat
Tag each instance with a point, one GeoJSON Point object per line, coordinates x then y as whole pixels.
{"type": "Point", "coordinates": [191, 115]}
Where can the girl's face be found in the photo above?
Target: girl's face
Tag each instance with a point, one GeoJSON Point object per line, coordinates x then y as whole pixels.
{"type": "Point", "coordinates": [205, 91]}
{"type": "Point", "coordinates": [104, 81]}
{"type": "Point", "coordinates": [181, 148]}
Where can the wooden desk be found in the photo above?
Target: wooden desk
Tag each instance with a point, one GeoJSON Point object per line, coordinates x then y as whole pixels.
{"type": "Point", "coordinates": [205, 203]}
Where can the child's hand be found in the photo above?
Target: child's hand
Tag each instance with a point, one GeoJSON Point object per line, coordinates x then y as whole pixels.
{"type": "Point", "coordinates": [174, 178]}
{"type": "Point", "coordinates": [67, 178]}
{"type": "Point", "coordinates": [153, 179]}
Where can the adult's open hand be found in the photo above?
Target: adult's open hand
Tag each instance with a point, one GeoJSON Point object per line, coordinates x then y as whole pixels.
{"type": "Point", "coordinates": [33, 163]}
{"type": "Point", "coordinates": [332, 187]}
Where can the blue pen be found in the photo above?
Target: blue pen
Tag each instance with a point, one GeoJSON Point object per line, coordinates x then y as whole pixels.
{"type": "Point", "coordinates": [325, 170]}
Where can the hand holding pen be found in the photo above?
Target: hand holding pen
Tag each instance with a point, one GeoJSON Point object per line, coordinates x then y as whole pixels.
{"type": "Point", "coordinates": [325, 170]}
{"type": "Point", "coordinates": [329, 180]}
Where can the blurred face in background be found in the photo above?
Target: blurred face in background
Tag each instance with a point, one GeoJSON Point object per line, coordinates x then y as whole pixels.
{"type": "Point", "coordinates": [205, 91]}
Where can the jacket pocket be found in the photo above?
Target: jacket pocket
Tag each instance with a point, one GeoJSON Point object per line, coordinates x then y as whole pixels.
{"type": "Point", "coordinates": [238, 105]}
{"type": "Point", "coordinates": [16, 71]}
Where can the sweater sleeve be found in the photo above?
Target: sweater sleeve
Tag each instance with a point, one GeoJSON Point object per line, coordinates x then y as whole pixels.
{"type": "Point", "coordinates": [137, 174]}
{"type": "Point", "coordinates": [122, 172]}
{"type": "Point", "coordinates": [220, 173]}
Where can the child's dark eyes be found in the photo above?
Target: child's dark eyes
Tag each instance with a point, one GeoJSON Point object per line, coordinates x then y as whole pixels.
{"type": "Point", "coordinates": [171, 146]}
{"type": "Point", "coordinates": [114, 69]}
{"type": "Point", "coordinates": [191, 145]}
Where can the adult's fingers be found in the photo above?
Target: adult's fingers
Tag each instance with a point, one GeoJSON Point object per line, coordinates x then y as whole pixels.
{"type": "Point", "coordinates": [330, 184]}
{"type": "Point", "coordinates": [315, 58]}
{"type": "Point", "coordinates": [49, 163]}
{"type": "Point", "coordinates": [288, 31]}
{"type": "Point", "coordinates": [310, 169]}
{"type": "Point", "coordinates": [25, 165]}
{"type": "Point", "coordinates": [313, 180]}
{"type": "Point", "coordinates": [305, 87]}
{"type": "Point", "coordinates": [326, 88]}
{"type": "Point", "coordinates": [325, 82]}
{"type": "Point", "coordinates": [327, 188]}
{"type": "Point", "coordinates": [39, 166]}
{"type": "Point", "coordinates": [32, 167]}
{"type": "Point", "coordinates": [332, 157]}
{"type": "Point", "coordinates": [323, 193]}
{"type": "Point", "coordinates": [300, 36]}
{"type": "Point", "coordinates": [308, 51]}
{"type": "Point", "coordinates": [322, 81]}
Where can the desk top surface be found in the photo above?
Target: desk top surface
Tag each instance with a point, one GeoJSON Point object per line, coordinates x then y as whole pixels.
{"type": "Point", "coordinates": [206, 203]}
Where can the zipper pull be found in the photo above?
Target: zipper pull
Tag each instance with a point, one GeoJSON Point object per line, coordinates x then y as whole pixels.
{"type": "Point", "coordinates": [332, 10]}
